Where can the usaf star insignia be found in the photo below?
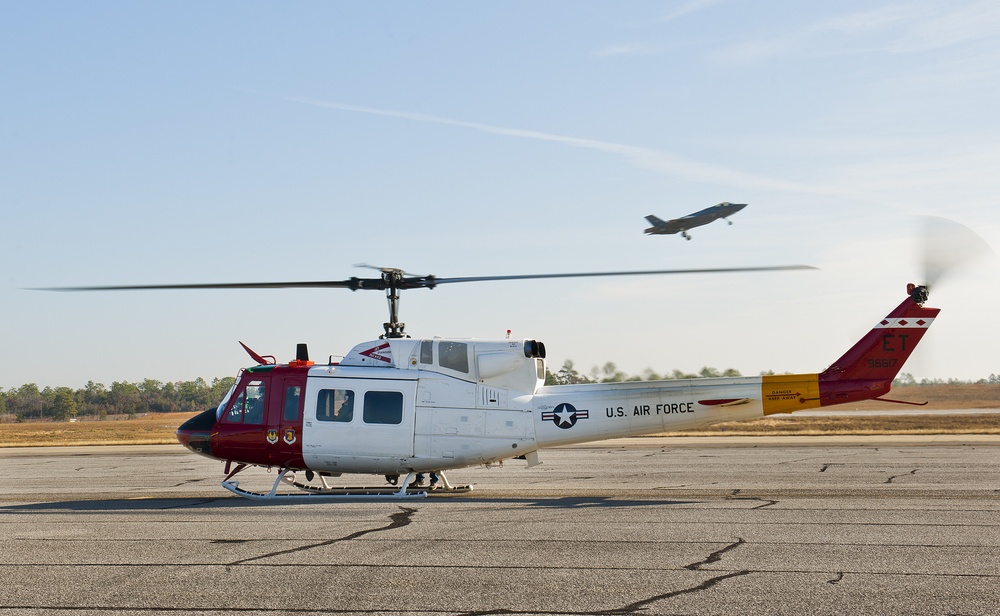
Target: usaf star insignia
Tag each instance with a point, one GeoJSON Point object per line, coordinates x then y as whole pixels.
{"type": "Point", "coordinates": [565, 415]}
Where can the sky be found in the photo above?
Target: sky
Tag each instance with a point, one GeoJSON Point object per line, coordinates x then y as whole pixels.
{"type": "Point", "coordinates": [193, 142]}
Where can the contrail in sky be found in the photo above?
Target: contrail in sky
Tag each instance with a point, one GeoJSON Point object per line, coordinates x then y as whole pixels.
{"type": "Point", "coordinates": [645, 158]}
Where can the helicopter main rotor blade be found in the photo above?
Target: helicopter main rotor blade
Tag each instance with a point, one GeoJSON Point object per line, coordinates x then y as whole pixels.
{"type": "Point", "coordinates": [331, 284]}
{"type": "Point", "coordinates": [392, 280]}
{"type": "Point", "coordinates": [720, 270]}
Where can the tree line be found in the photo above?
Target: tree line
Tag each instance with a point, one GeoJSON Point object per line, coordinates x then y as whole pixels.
{"type": "Point", "coordinates": [609, 373]}
{"type": "Point", "coordinates": [124, 398]}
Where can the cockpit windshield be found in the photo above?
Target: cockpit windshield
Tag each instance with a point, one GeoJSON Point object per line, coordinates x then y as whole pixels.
{"type": "Point", "coordinates": [225, 400]}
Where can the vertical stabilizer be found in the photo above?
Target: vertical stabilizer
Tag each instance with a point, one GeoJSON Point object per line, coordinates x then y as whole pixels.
{"type": "Point", "coordinates": [868, 368]}
{"type": "Point", "coordinates": [864, 372]}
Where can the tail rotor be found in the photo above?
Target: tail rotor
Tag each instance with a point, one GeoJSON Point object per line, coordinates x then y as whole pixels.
{"type": "Point", "coordinates": [947, 248]}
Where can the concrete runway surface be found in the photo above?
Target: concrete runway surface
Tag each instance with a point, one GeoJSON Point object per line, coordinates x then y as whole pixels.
{"type": "Point", "coordinates": [816, 525]}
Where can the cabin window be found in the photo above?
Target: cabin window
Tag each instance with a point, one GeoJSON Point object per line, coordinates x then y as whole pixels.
{"type": "Point", "coordinates": [427, 351]}
{"type": "Point", "coordinates": [383, 407]}
{"type": "Point", "coordinates": [335, 405]}
{"type": "Point", "coordinates": [292, 395]}
{"type": "Point", "coordinates": [248, 407]}
{"type": "Point", "coordinates": [454, 356]}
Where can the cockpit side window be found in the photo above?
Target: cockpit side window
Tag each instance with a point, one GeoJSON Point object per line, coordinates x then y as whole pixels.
{"type": "Point", "coordinates": [335, 405]}
{"type": "Point", "coordinates": [235, 414]}
{"type": "Point", "coordinates": [248, 406]}
{"type": "Point", "coordinates": [254, 411]}
{"type": "Point", "coordinates": [291, 409]}
{"type": "Point", "coordinates": [454, 356]}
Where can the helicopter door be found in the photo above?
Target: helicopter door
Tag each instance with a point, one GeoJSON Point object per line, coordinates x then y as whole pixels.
{"type": "Point", "coordinates": [240, 434]}
{"type": "Point", "coordinates": [284, 421]}
{"type": "Point", "coordinates": [358, 419]}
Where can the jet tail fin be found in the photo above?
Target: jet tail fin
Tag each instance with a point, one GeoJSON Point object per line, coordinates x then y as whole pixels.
{"type": "Point", "coordinates": [656, 222]}
{"type": "Point", "coordinates": [865, 371]}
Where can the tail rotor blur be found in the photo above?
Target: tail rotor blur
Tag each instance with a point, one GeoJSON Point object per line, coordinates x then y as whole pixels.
{"type": "Point", "coordinates": [948, 247]}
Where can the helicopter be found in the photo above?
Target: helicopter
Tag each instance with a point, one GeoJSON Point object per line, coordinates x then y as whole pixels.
{"type": "Point", "coordinates": [398, 406]}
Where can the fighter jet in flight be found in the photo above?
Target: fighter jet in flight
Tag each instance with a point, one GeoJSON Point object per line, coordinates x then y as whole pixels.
{"type": "Point", "coordinates": [683, 224]}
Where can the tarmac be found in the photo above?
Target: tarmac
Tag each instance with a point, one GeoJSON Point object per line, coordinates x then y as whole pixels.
{"type": "Point", "coordinates": [783, 525]}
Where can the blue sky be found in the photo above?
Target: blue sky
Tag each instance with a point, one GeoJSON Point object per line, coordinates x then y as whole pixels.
{"type": "Point", "coordinates": [250, 141]}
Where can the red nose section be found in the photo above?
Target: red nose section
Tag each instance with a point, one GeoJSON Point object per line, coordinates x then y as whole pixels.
{"type": "Point", "coordinates": [196, 433]}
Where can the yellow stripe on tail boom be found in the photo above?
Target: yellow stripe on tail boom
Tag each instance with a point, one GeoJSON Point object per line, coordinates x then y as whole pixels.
{"type": "Point", "coordinates": [784, 393]}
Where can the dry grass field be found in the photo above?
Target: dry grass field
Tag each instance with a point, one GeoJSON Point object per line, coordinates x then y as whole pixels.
{"type": "Point", "coordinates": [152, 429]}
{"type": "Point", "coordinates": [159, 428]}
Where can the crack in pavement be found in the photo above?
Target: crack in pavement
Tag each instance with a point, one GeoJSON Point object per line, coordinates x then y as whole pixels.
{"type": "Point", "coordinates": [187, 481]}
{"type": "Point", "coordinates": [714, 557]}
{"type": "Point", "coordinates": [638, 605]}
{"type": "Point", "coordinates": [397, 520]}
{"type": "Point", "coordinates": [766, 502]}
{"type": "Point", "coordinates": [890, 479]}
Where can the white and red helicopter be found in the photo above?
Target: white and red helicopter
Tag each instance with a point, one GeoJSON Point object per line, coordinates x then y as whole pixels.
{"type": "Point", "coordinates": [398, 406]}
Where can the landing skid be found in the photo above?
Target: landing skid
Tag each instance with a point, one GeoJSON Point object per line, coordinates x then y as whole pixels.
{"type": "Point", "coordinates": [325, 492]}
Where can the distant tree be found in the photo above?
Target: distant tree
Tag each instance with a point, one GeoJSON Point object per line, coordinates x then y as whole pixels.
{"type": "Point", "coordinates": [904, 379]}
{"type": "Point", "coordinates": [93, 399]}
{"type": "Point", "coordinates": [220, 387]}
{"type": "Point", "coordinates": [194, 395]}
{"type": "Point", "coordinates": [123, 398]}
{"type": "Point", "coordinates": [150, 396]}
{"type": "Point", "coordinates": [29, 401]}
{"type": "Point", "coordinates": [567, 375]}
{"type": "Point", "coordinates": [64, 404]}
{"type": "Point", "coordinates": [609, 373]}
{"type": "Point", "coordinates": [650, 375]}
{"type": "Point", "coordinates": [48, 401]}
{"type": "Point", "coordinates": [169, 399]}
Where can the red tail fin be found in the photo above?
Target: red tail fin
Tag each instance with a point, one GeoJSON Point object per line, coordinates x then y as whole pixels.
{"type": "Point", "coordinates": [868, 368]}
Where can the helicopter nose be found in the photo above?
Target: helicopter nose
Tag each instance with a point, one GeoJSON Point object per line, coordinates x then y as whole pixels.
{"type": "Point", "coordinates": [196, 433]}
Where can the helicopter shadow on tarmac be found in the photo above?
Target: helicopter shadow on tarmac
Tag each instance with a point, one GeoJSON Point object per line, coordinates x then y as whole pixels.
{"type": "Point", "coordinates": [164, 504]}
